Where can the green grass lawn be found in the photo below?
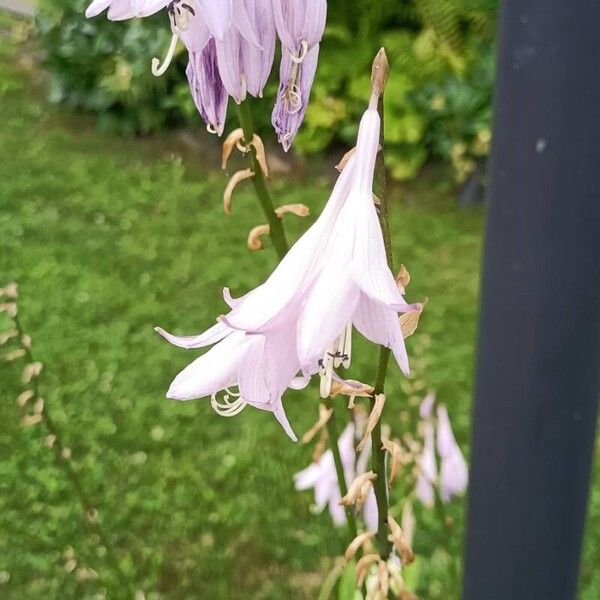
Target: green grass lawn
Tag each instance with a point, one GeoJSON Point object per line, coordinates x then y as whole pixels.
{"type": "Point", "coordinates": [108, 237]}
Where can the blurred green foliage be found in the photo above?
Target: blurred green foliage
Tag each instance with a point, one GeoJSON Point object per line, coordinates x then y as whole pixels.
{"type": "Point", "coordinates": [438, 100]}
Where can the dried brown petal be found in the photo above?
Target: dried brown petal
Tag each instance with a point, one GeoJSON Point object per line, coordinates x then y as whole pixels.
{"type": "Point", "coordinates": [13, 355]}
{"type": "Point", "coordinates": [236, 136]}
{"type": "Point", "coordinates": [380, 73]}
{"type": "Point", "coordinates": [373, 420]}
{"type": "Point", "coordinates": [352, 388]}
{"type": "Point", "coordinates": [25, 397]}
{"type": "Point", "coordinates": [38, 407]}
{"type": "Point", "coordinates": [409, 321]}
{"type": "Point", "coordinates": [29, 420]}
{"type": "Point", "coordinates": [400, 542]}
{"type": "Point", "coordinates": [10, 308]}
{"type": "Point", "coordinates": [344, 161]}
{"type": "Point", "coordinates": [396, 459]}
{"type": "Point", "coordinates": [49, 440]}
{"type": "Point", "coordinates": [30, 371]}
{"type": "Point", "coordinates": [356, 489]}
{"type": "Point", "coordinates": [324, 416]}
{"type": "Point", "coordinates": [261, 156]}
{"type": "Point", "coordinates": [357, 543]}
{"type": "Point", "coordinates": [384, 579]}
{"type": "Point", "coordinates": [403, 279]}
{"type": "Point", "coordinates": [236, 178]}
{"type": "Point", "coordinates": [26, 342]}
{"type": "Point", "coordinates": [300, 210]}
{"type": "Point", "coordinates": [7, 335]}
{"type": "Point", "coordinates": [363, 566]}
{"type": "Point", "coordinates": [254, 241]}
{"type": "Point", "coordinates": [10, 291]}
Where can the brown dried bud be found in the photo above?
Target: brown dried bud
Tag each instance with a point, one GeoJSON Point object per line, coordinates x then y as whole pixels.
{"type": "Point", "coordinates": [324, 416]}
{"type": "Point", "coordinates": [403, 279]}
{"type": "Point", "coordinates": [25, 397]}
{"type": "Point", "coordinates": [363, 566]}
{"type": "Point", "coordinates": [254, 241]}
{"type": "Point", "coordinates": [300, 210]}
{"type": "Point", "coordinates": [38, 407]}
{"type": "Point", "coordinates": [396, 459]}
{"type": "Point", "coordinates": [373, 420]}
{"type": "Point", "coordinates": [7, 335]}
{"type": "Point", "coordinates": [344, 161]}
{"type": "Point", "coordinates": [231, 141]}
{"type": "Point", "coordinates": [49, 440]}
{"type": "Point", "coordinates": [400, 542]}
{"type": "Point", "coordinates": [231, 185]}
{"type": "Point", "coordinates": [357, 543]}
{"type": "Point", "coordinates": [380, 73]}
{"type": "Point", "coordinates": [358, 490]}
{"type": "Point", "coordinates": [26, 342]}
{"type": "Point", "coordinates": [352, 388]}
{"type": "Point", "coordinates": [13, 355]}
{"type": "Point", "coordinates": [30, 371]}
{"type": "Point", "coordinates": [10, 308]}
{"type": "Point", "coordinates": [29, 420]}
{"type": "Point", "coordinates": [410, 321]}
{"type": "Point", "coordinates": [11, 291]}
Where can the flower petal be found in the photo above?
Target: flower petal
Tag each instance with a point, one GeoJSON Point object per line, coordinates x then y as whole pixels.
{"type": "Point", "coordinates": [217, 15]}
{"type": "Point", "coordinates": [228, 59]}
{"type": "Point", "coordinates": [212, 372]}
{"type": "Point", "coordinates": [211, 336]}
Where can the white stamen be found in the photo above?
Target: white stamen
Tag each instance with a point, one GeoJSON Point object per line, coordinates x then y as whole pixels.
{"type": "Point", "coordinates": [157, 69]}
{"type": "Point", "coordinates": [211, 129]}
{"type": "Point", "coordinates": [326, 371]}
{"type": "Point", "coordinates": [347, 349]}
{"type": "Point", "coordinates": [226, 408]}
{"type": "Point", "coordinates": [302, 54]}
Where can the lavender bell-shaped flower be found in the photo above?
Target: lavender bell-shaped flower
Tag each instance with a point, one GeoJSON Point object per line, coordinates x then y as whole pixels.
{"type": "Point", "coordinates": [208, 91]}
{"type": "Point", "coordinates": [300, 26]}
{"type": "Point", "coordinates": [454, 473]}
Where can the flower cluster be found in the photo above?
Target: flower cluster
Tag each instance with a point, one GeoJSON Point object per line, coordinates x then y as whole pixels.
{"type": "Point", "coordinates": [231, 46]}
{"type": "Point", "coordinates": [454, 473]}
{"type": "Point", "coordinates": [299, 321]}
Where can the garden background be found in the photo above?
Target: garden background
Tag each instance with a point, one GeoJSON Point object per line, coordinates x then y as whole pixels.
{"type": "Point", "coordinates": [111, 222]}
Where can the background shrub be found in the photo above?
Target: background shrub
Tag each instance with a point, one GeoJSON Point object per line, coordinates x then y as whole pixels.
{"type": "Point", "coordinates": [438, 100]}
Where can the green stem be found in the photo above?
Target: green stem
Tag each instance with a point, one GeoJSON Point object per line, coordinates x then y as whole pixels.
{"type": "Point", "coordinates": [334, 435]}
{"type": "Point", "coordinates": [65, 463]}
{"type": "Point", "coordinates": [277, 232]}
{"type": "Point", "coordinates": [378, 453]}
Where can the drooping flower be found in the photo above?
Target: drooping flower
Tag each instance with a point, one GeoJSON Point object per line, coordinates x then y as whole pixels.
{"type": "Point", "coordinates": [335, 275]}
{"type": "Point", "coordinates": [322, 477]}
{"type": "Point", "coordinates": [231, 45]}
{"type": "Point", "coordinates": [454, 473]}
{"type": "Point", "coordinates": [427, 467]}
{"type": "Point", "coordinates": [261, 367]}
{"type": "Point", "coordinates": [300, 26]}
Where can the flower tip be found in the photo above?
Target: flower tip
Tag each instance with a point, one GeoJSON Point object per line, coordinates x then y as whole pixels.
{"type": "Point", "coordinates": [380, 72]}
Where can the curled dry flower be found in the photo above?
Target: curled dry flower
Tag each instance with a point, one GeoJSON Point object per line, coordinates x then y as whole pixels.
{"type": "Point", "coordinates": [14, 355]}
{"type": "Point", "coordinates": [324, 416]}
{"type": "Point", "coordinates": [345, 159]}
{"type": "Point", "coordinates": [400, 542]}
{"type": "Point", "coordinates": [236, 178]}
{"type": "Point", "coordinates": [25, 397]}
{"type": "Point", "coordinates": [30, 371]}
{"type": "Point", "coordinates": [10, 308]}
{"type": "Point", "coordinates": [359, 489]}
{"type": "Point", "coordinates": [396, 459]}
{"type": "Point", "coordinates": [363, 566]}
{"type": "Point", "coordinates": [300, 210]}
{"type": "Point", "coordinates": [372, 420]}
{"type": "Point", "coordinates": [254, 241]}
{"type": "Point", "coordinates": [235, 140]}
{"type": "Point", "coordinates": [8, 335]}
{"type": "Point", "coordinates": [402, 279]}
{"type": "Point", "coordinates": [409, 321]}
{"type": "Point", "coordinates": [358, 542]}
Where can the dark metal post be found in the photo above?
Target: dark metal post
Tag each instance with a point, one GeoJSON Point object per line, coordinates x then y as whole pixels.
{"type": "Point", "coordinates": [538, 372]}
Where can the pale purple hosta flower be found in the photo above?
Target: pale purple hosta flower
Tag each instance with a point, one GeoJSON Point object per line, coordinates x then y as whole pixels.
{"type": "Point", "coordinates": [322, 477]}
{"type": "Point", "coordinates": [260, 366]}
{"type": "Point", "coordinates": [454, 473]}
{"type": "Point", "coordinates": [426, 407]}
{"type": "Point", "coordinates": [335, 275]}
{"type": "Point", "coordinates": [208, 91]}
{"type": "Point", "coordinates": [427, 467]}
{"type": "Point", "coordinates": [300, 25]}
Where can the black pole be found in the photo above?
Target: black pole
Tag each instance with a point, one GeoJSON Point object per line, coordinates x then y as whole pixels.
{"type": "Point", "coordinates": [538, 373]}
